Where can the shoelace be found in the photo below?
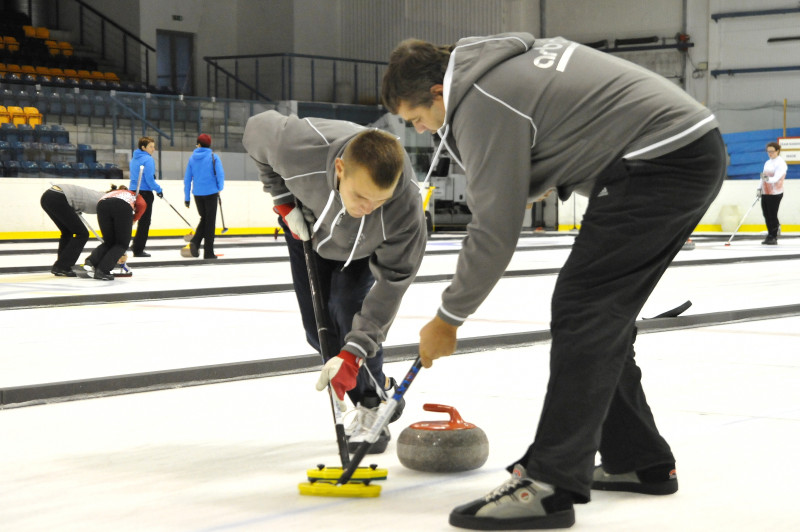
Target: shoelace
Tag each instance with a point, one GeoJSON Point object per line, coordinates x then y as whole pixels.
{"type": "Point", "coordinates": [507, 488]}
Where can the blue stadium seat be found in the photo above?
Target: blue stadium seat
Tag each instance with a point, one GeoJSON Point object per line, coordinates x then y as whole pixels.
{"type": "Point", "coordinates": [113, 171]}
{"type": "Point", "coordinates": [5, 151]}
{"type": "Point", "coordinates": [64, 169]}
{"type": "Point", "coordinates": [86, 154]}
{"type": "Point", "coordinates": [97, 170]}
{"type": "Point", "coordinates": [43, 133]}
{"type": "Point", "coordinates": [81, 169]}
{"type": "Point", "coordinates": [29, 169]}
{"type": "Point", "coordinates": [47, 169]}
{"type": "Point", "coordinates": [12, 168]}
{"type": "Point", "coordinates": [25, 132]}
{"type": "Point", "coordinates": [17, 150]}
{"type": "Point", "coordinates": [60, 135]}
{"type": "Point", "coordinates": [8, 132]}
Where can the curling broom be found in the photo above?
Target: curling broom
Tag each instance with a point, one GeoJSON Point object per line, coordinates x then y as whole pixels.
{"type": "Point", "coordinates": [324, 476]}
{"type": "Point", "coordinates": [345, 486]}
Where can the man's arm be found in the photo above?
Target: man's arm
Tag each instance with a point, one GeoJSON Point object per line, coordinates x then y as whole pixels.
{"type": "Point", "coordinates": [496, 156]}
{"type": "Point", "coordinates": [394, 265]}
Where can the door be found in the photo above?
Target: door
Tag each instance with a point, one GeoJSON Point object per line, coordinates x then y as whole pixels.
{"type": "Point", "coordinates": [175, 53]}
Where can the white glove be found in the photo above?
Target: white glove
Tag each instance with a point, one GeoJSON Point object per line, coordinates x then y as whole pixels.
{"type": "Point", "coordinates": [293, 217]}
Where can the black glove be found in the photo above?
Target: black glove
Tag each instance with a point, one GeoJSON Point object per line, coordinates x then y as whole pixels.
{"type": "Point", "coordinates": [186, 203]}
{"type": "Point", "coordinates": [160, 194]}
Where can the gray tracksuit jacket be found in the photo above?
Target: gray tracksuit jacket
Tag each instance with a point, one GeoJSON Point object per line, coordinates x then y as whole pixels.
{"type": "Point", "coordinates": [526, 115]}
{"type": "Point", "coordinates": [296, 158]}
{"type": "Point", "coordinates": [81, 199]}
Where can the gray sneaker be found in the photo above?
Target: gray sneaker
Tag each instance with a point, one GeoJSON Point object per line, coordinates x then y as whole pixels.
{"type": "Point", "coordinates": [657, 480]}
{"type": "Point", "coordinates": [519, 503]}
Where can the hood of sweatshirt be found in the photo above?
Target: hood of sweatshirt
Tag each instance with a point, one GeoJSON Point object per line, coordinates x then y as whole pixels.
{"type": "Point", "coordinates": [472, 58]}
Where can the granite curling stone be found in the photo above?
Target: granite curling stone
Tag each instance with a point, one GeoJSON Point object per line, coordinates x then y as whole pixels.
{"type": "Point", "coordinates": [442, 446]}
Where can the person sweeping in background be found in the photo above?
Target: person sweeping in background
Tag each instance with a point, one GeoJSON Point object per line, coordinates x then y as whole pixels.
{"type": "Point", "coordinates": [116, 212]}
{"type": "Point", "coordinates": [205, 179]}
{"type": "Point", "coordinates": [64, 204]}
{"type": "Point", "coordinates": [772, 191]}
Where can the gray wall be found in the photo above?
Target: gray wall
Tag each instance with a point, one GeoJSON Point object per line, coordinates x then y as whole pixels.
{"type": "Point", "coordinates": [369, 29]}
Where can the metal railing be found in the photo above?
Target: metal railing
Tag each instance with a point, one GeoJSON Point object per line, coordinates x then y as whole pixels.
{"type": "Point", "coordinates": [290, 76]}
{"type": "Point", "coordinates": [114, 42]}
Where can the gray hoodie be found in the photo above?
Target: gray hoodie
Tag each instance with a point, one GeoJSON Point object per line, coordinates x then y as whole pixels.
{"type": "Point", "coordinates": [296, 158]}
{"type": "Point", "coordinates": [524, 116]}
{"type": "Point", "coordinates": [81, 199]}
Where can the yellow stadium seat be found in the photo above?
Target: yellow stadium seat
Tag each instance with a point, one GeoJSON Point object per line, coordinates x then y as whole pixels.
{"type": "Point", "coordinates": [13, 68]}
{"type": "Point", "coordinates": [96, 74]}
{"type": "Point", "coordinates": [28, 69]}
{"type": "Point", "coordinates": [42, 70]}
{"type": "Point", "coordinates": [11, 44]}
{"type": "Point", "coordinates": [65, 47]}
{"type": "Point", "coordinates": [5, 118]}
{"type": "Point", "coordinates": [110, 76]}
{"type": "Point", "coordinates": [71, 73]}
{"type": "Point", "coordinates": [33, 116]}
{"type": "Point", "coordinates": [3, 67]}
{"type": "Point", "coordinates": [17, 115]}
{"type": "Point", "coordinates": [29, 31]}
{"type": "Point", "coordinates": [84, 74]}
{"type": "Point", "coordinates": [42, 33]}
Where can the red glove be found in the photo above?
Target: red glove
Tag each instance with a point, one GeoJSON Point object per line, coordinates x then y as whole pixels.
{"type": "Point", "coordinates": [340, 372]}
{"type": "Point", "coordinates": [293, 218]}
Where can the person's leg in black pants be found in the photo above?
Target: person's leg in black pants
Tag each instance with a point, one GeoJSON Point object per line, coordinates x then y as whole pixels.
{"type": "Point", "coordinates": [769, 208]}
{"type": "Point", "coordinates": [205, 232]}
{"type": "Point", "coordinates": [74, 234]}
{"type": "Point", "coordinates": [116, 223]}
{"type": "Point", "coordinates": [629, 235]}
{"type": "Point", "coordinates": [143, 225]}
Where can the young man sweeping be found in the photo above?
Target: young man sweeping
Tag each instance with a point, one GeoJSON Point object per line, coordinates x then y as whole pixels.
{"type": "Point", "coordinates": [357, 190]}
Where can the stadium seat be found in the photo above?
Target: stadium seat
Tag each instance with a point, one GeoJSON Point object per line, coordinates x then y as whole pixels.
{"type": "Point", "coordinates": [81, 169]}
{"type": "Point", "coordinates": [8, 132]}
{"type": "Point", "coordinates": [12, 169]}
{"type": "Point", "coordinates": [113, 171]}
{"type": "Point", "coordinates": [5, 118]}
{"type": "Point", "coordinates": [86, 154]}
{"type": "Point", "coordinates": [17, 150]}
{"type": "Point", "coordinates": [42, 33]}
{"type": "Point", "coordinates": [60, 135]}
{"type": "Point", "coordinates": [29, 31]}
{"type": "Point", "coordinates": [11, 44]}
{"type": "Point", "coordinates": [34, 117]}
{"type": "Point", "coordinates": [5, 151]}
{"type": "Point", "coordinates": [97, 170]}
{"type": "Point", "coordinates": [63, 169]}
{"type": "Point", "coordinates": [43, 133]}
{"type": "Point", "coordinates": [65, 48]}
{"type": "Point", "coordinates": [47, 169]}
{"type": "Point", "coordinates": [17, 115]}
{"type": "Point", "coordinates": [25, 132]}
{"type": "Point", "coordinates": [29, 169]}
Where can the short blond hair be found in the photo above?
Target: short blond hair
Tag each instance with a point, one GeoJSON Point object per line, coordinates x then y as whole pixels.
{"type": "Point", "coordinates": [379, 153]}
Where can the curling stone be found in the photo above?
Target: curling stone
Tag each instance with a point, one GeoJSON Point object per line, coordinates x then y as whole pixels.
{"type": "Point", "coordinates": [442, 446]}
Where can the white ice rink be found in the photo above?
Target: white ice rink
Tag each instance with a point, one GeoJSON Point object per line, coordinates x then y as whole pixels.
{"type": "Point", "coordinates": [228, 456]}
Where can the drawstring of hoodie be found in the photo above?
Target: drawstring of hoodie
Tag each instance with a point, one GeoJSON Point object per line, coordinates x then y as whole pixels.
{"type": "Point", "coordinates": [433, 162]}
{"type": "Point", "coordinates": [333, 225]}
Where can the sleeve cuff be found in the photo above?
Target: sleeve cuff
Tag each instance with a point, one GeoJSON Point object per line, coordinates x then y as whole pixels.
{"type": "Point", "coordinates": [449, 317]}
